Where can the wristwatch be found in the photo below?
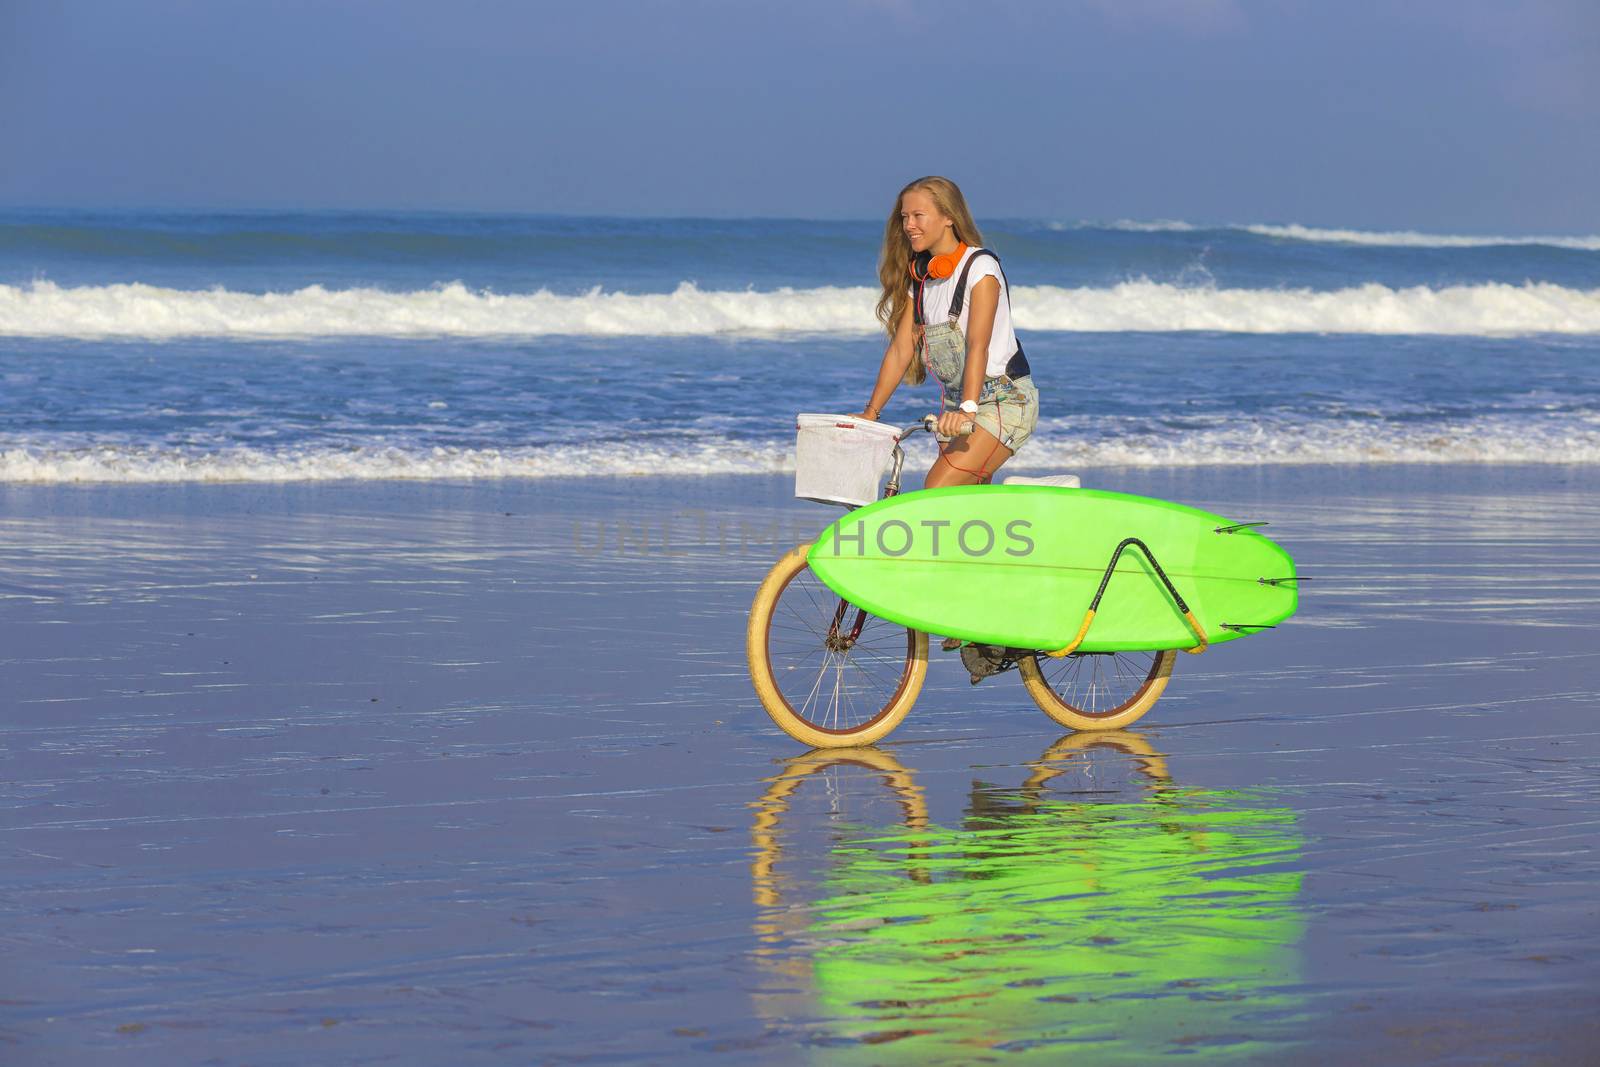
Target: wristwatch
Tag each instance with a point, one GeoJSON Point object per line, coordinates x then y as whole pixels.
{"type": "Point", "coordinates": [969, 406]}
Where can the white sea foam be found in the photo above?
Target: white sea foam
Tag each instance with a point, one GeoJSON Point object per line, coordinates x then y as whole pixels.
{"type": "Point", "coordinates": [1413, 239]}
{"type": "Point", "coordinates": [1055, 447]}
{"type": "Point", "coordinates": [47, 466]}
{"type": "Point", "coordinates": [1379, 238]}
{"type": "Point", "coordinates": [1152, 226]}
{"type": "Point", "coordinates": [1489, 309]}
{"type": "Point", "coordinates": [1488, 439]}
{"type": "Point", "coordinates": [43, 309]}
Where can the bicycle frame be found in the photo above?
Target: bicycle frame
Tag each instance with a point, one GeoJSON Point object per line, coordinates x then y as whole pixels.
{"type": "Point", "coordinates": [891, 488]}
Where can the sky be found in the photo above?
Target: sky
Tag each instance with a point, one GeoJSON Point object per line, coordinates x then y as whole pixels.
{"type": "Point", "coordinates": [1464, 116]}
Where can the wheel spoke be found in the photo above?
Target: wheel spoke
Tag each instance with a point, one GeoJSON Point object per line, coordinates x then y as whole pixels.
{"type": "Point", "coordinates": [845, 689]}
{"type": "Point", "coordinates": [1097, 685]}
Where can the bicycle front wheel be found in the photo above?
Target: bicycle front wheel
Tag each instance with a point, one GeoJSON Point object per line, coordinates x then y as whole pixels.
{"type": "Point", "coordinates": [1097, 690]}
{"type": "Point", "coordinates": [829, 674]}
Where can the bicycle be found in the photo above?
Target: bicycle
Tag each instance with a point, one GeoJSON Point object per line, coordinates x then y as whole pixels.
{"type": "Point", "coordinates": [833, 676]}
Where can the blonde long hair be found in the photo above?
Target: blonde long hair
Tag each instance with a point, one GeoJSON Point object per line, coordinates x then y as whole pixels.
{"type": "Point", "coordinates": [894, 261]}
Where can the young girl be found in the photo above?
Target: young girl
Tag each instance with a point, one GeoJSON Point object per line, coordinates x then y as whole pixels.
{"type": "Point", "coordinates": [947, 308]}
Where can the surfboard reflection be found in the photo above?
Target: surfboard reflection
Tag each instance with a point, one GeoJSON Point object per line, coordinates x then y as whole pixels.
{"type": "Point", "coordinates": [1100, 906]}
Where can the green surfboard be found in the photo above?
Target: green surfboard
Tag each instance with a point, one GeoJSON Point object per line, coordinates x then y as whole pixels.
{"type": "Point", "coordinates": [1020, 565]}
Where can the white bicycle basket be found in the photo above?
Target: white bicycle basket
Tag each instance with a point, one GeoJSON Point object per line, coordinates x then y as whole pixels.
{"type": "Point", "coordinates": [841, 460]}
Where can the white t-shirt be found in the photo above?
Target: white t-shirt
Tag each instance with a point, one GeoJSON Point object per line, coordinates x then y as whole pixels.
{"type": "Point", "coordinates": [937, 294]}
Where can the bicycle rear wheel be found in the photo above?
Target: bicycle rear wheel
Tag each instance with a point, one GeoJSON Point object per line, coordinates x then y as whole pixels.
{"type": "Point", "coordinates": [1097, 690]}
{"type": "Point", "coordinates": [829, 674]}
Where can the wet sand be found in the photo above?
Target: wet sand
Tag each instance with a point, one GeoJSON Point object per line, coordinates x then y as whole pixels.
{"type": "Point", "coordinates": [462, 773]}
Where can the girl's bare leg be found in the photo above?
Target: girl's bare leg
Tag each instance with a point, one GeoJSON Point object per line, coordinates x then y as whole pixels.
{"type": "Point", "coordinates": [970, 460]}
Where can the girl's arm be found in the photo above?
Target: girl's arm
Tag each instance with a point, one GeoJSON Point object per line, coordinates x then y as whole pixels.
{"type": "Point", "coordinates": [896, 358]}
{"type": "Point", "coordinates": [980, 326]}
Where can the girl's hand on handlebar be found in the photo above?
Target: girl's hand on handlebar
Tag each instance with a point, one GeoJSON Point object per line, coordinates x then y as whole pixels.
{"type": "Point", "coordinates": [956, 424]}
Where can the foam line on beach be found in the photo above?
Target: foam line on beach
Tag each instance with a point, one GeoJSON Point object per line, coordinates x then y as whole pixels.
{"type": "Point", "coordinates": [1478, 441]}
{"type": "Point", "coordinates": [43, 309]}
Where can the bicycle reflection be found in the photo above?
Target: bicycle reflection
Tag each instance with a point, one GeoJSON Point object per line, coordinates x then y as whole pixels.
{"type": "Point", "coordinates": [1099, 906]}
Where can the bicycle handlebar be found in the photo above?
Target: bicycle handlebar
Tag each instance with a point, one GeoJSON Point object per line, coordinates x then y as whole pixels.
{"type": "Point", "coordinates": [930, 422]}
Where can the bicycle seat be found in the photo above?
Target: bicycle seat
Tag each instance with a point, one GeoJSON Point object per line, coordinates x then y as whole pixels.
{"type": "Point", "coordinates": [1065, 481]}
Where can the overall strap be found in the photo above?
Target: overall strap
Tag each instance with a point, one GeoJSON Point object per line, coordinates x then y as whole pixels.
{"type": "Point", "coordinates": [959, 300]}
{"type": "Point", "coordinates": [1017, 366]}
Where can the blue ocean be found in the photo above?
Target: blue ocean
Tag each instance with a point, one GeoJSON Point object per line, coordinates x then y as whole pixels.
{"type": "Point", "coordinates": [139, 347]}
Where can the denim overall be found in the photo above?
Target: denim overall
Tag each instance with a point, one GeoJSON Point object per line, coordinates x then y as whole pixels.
{"type": "Point", "coordinates": [1008, 407]}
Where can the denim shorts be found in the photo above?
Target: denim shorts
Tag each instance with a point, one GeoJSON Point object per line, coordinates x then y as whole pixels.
{"type": "Point", "coordinates": [1008, 408]}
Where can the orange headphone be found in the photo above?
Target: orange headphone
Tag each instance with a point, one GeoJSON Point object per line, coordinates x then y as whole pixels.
{"type": "Point", "coordinates": [926, 265]}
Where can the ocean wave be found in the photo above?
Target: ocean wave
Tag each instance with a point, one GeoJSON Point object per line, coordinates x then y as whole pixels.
{"type": "Point", "coordinates": [133, 310]}
{"type": "Point", "coordinates": [1146, 226]}
{"type": "Point", "coordinates": [1375, 238]}
{"type": "Point", "coordinates": [1329, 443]}
{"type": "Point", "coordinates": [138, 465]}
{"type": "Point", "coordinates": [1489, 309]}
{"type": "Point", "coordinates": [1413, 239]}
{"type": "Point", "coordinates": [43, 309]}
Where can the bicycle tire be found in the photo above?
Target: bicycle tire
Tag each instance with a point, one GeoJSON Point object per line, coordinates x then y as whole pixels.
{"type": "Point", "coordinates": [874, 679]}
{"type": "Point", "coordinates": [1121, 689]}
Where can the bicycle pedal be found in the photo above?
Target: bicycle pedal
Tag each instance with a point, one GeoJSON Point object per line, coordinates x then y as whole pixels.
{"type": "Point", "coordinates": [950, 644]}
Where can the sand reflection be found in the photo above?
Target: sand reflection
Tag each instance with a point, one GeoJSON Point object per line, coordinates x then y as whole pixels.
{"type": "Point", "coordinates": [1098, 905]}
